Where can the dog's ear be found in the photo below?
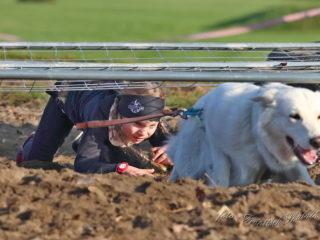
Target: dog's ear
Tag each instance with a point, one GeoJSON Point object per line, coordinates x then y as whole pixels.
{"type": "Point", "coordinates": [266, 98]}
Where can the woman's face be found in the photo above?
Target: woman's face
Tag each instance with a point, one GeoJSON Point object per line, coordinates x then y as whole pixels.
{"type": "Point", "coordinates": [138, 131]}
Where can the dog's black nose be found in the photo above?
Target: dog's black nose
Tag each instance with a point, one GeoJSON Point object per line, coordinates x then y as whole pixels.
{"type": "Point", "coordinates": [315, 142]}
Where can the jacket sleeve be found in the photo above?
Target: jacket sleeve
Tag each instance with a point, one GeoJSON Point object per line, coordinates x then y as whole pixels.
{"type": "Point", "coordinates": [92, 154]}
{"type": "Point", "coordinates": [160, 137]}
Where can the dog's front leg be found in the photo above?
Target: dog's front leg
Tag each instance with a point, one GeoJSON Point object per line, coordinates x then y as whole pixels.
{"type": "Point", "coordinates": [218, 170]}
{"type": "Point", "coordinates": [297, 173]}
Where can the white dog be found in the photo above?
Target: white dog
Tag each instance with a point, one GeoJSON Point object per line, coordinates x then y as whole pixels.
{"type": "Point", "coordinates": [244, 130]}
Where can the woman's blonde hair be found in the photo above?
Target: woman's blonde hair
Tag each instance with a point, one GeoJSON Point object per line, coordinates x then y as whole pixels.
{"type": "Point", "coordinates": [150, 89]}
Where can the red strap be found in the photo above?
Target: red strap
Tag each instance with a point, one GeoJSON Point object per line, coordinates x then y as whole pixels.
{"type": "Point", "coordinates": [106, 123]}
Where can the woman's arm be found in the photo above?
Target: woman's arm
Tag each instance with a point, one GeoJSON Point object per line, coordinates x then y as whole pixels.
{"type": "Point", "coordinates": [160, 137]}
{"type": "Point", "coordinates": [159, 149]}
{"type": "Point", "coordinates": [92, 154]}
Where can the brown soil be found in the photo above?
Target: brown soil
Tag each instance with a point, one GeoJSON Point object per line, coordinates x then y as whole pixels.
{"type": "Point", "coordinates": [51, 201]}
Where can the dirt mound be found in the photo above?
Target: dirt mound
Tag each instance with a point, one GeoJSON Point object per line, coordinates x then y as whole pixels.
{"type": "Point", "coordinates": [51, 201]}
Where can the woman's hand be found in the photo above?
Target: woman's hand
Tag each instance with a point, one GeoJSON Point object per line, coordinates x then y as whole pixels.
{"type": "Point", "coordinates": [133, 171]}
{"type": "Point", "coordinates": [160, 156]}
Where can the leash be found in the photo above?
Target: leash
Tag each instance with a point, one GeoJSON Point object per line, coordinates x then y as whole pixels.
{"type": "Point", "coordinates": [105, 123]}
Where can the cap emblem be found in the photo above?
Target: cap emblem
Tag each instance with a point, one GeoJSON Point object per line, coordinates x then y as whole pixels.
{"type": "Point", "coordinates": [135, 106]}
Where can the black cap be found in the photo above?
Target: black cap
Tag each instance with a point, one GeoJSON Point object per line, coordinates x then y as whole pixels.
{"type": "Point", "coordinates": [131, 106]}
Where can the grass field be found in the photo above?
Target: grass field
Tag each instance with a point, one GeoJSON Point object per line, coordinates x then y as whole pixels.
{"type": "Point", "coordinates": [151, 20]}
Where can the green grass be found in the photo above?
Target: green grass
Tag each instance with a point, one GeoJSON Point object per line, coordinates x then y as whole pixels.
{"type": "Point", "coordinates": [150, 21]}
{"type": "Point", "coordinates": [184, 97]}
{"type": "Point", "coordinates": [18, 98]}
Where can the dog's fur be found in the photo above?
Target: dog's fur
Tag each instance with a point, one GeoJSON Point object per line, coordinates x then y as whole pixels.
{"type": "Point", "coordinates": [244, 130]}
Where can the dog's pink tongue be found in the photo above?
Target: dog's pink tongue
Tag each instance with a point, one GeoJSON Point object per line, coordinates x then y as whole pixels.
{"type": "Point", "coordinates": [310, 156]}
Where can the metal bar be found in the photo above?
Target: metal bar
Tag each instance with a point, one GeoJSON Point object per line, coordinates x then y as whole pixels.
{"type": "Point", "coordinates": [159, 46]}
{"type": "Point", "coordinates": [15, 85]}
{"type": "Point", "coordinates": [289, 77]}
{"type": "Point", "coordinates": [242, 64]}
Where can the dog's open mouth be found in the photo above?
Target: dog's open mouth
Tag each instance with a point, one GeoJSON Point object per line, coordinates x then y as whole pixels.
{"type": "Point", "coordinates": [306, 156]}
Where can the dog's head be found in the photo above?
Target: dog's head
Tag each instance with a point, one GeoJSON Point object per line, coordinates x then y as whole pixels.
{"type": "Point", "coordinates": [289, 123]}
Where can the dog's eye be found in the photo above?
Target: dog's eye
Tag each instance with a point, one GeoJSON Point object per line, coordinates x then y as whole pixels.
{"type": "Point", "coordinates": [295, 116]}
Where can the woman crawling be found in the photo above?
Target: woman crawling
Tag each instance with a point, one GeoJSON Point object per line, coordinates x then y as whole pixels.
{"type": "Point", "coordinates": [104, 149]}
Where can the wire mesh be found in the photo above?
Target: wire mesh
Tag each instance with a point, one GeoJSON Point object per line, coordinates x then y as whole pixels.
{"type": "Point", "coordinates": [88, 66]}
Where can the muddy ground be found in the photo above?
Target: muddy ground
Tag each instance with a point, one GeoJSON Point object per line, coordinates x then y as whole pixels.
{"type": "Point", "coordinates": [53, 202]}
